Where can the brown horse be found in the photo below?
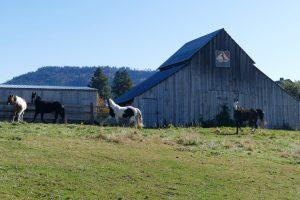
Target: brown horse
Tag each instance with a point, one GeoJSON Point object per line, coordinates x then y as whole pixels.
{"type": "Point", "coordinates": [247, 115]}
{"type": "Point", "coordinates": [42, 107]}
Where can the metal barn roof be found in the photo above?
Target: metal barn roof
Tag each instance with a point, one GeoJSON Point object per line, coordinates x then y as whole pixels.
{"type": "Point", "coordinates": [149, 83]}
{"type": "Point", "coordinates": [189, 49]}
{"type": "Point", "coordinates": [4, 86]}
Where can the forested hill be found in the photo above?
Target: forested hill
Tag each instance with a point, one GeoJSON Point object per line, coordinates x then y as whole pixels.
{"type": "Point", "coordinates": [72, 76]}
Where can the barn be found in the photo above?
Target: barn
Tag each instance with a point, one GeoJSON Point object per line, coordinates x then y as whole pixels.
{"type": "Point", "coordinates": [80, 102]}
{"type": "Point", "coordinates": [205, 74]}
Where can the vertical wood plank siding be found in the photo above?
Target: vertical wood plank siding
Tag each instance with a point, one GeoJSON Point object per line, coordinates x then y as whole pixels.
{"type": "Point", "coordinates": [197, 91]}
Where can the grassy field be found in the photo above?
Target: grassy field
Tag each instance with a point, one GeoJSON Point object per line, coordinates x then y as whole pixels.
{"type": "Point", "coordinates": [43, 161]}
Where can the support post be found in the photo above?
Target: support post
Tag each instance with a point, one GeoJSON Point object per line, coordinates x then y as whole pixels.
{"type": "Point", "coordinates": [92, 118]}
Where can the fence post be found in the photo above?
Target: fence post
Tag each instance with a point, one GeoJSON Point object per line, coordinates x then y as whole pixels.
{"type": "Point", "coordinates": [92, 113]}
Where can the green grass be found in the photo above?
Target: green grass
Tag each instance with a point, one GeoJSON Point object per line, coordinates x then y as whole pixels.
{"type": "Point", "coordinates": [43, 161]}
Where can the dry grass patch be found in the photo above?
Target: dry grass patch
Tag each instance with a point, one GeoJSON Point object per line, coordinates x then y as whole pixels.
{"type": "Point", "coordinates": [294, 152]}
{"type": "Point", "coordinates": [248, 145]}
{"type": "Point", "coordinates": [120, 138]}
{"type": "Point", "coordinates": [188, 139]}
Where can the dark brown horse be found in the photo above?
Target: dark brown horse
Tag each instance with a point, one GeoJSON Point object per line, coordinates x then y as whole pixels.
{"type": "Point", "coordinates": [42, 107]}
{"type": "Point", "coordinates": [247, 115]}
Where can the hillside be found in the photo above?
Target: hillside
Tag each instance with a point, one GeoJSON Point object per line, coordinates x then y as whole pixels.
{"type": "Point", "coordinates": [47, 161]}
{"type": "Point", "coordinates": [72, 76]}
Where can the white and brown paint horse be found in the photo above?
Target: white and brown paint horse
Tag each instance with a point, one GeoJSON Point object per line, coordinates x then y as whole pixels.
{"type": "Point", "coordinates": [247, 115]}
{"type": "Point", "coordinates": [128, 112]}
{"type": "Point", "coordinates": [20, 106]}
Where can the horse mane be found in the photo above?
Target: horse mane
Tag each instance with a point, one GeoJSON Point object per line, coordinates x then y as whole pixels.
{"type": "Point", "coordinates": [38, 98]}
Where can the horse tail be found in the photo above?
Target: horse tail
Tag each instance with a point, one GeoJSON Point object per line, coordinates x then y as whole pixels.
{"type": "Point", "coordinates": [140, 118]}
{"type": "Point", "coordinates": [260, 113]}
{"type": "Point", "coordinates": [261, 116]}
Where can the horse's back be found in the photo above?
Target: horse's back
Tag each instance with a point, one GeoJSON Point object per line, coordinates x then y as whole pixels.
{"type": "Point", "coordinates": [48, 106]}
{"type": "Point", "coordinates": [129, 112]}
{"type": "Point", "coordinates": [21, 102]}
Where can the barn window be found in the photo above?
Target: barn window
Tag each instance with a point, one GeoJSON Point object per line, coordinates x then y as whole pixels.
{"type": "Point", "coordinates": [222, 58]}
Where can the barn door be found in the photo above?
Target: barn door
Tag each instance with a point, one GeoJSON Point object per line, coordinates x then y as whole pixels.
{"type": "Point", "coordinates": [149, 112]}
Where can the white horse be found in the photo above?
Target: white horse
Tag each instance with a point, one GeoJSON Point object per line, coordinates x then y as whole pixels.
{"type": "Point", "coordinates": [128, 112]}
{"type": "Point", "coordinates": [20, 106]}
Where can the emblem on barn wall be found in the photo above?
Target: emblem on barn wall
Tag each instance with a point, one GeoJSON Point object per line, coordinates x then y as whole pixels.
{"type": "Point", "coordinates": [222, 58]}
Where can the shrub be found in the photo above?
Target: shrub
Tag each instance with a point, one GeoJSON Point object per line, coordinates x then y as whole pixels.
{"type": "Point", "coordinates": [223, 118]}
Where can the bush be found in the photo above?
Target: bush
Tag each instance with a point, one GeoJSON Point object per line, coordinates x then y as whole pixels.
{"type": "Point", "coordinates": [223, 118]}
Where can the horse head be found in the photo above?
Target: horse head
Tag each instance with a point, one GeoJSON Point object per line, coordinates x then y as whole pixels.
{"type": "Point", "coordinates": [111, 103]}
{"type": "Point", "coordinates": [11, 99]}
{"type": "Point", "coordinates": [33, 96]}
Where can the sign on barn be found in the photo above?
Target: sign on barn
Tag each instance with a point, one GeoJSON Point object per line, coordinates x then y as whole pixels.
{"type": "Point", "coordinates": [222, 58]}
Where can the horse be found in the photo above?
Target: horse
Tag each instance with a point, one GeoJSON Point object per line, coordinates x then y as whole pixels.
{"type": "Point", "coordinates": [42, 107]}
{"type": "Point", "coordinates": [128, 112]}
{"type": "Point", "coordinates": [20, 106]}
{"type": "Point", "coordinates": [251, 116]}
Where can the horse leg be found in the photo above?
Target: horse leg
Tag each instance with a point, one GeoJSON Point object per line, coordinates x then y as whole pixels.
{"type": "Point", "coordinates": [13, 119]}
{"type": "Point", "coordinates": [42, 117]}
{"type": "Point", "coordinates": [61, 113]}
{"type": "Point", "coordinates": [132, 120]}
{"type": "Point", "coordinates": [35, 114]}
{"type": "Point", "coordinates": [241, 129]}
{"type": "Point", "coordinates": [135, 120]}
{"type": "Point", "coordinates": [254, 125]}
{"type": "Point", "coordinates": [251, 124]}
{"type": "Point", "coordinates": [22, 113]}
{"type": "Point", "coordinates": [56, 116]}
{"type": "Point", "coordinates": [237, 127]}
{"type": "Point", "coordinates": [19, 116]}
{"type": "Point", "coordinates": [63, 116]}
{"type": "Point", "coordinates": [240, 125]}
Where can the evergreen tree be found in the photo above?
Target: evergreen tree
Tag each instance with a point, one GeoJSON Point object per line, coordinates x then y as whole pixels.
{"type": "Point", "coordinates": [292, 87]}
{"type": "Point", "coordinates": [121, 82]}
{"type": "Point", "coordinates": [100, 82]}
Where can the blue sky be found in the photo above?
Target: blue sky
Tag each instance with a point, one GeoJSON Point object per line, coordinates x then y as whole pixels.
{"type": "Point", "coordinates": [143, 34]}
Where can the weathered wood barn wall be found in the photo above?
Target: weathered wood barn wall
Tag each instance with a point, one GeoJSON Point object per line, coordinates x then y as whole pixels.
{"type": "Point", "coordinates": [190, 88]}
{"type": "Point", "coordinates": [77, 100]}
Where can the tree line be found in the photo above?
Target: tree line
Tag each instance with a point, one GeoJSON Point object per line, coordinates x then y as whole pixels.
{"type": "Point", "coordinates": [292, 87]}
{"type": "Point", "coordinates": [74, 76]}
{"type": "Point", "coordinates": [121, 83]}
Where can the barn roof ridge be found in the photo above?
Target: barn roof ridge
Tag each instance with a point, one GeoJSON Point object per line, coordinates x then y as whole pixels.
{"type": "Point", "coordinates": [9, 86]}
